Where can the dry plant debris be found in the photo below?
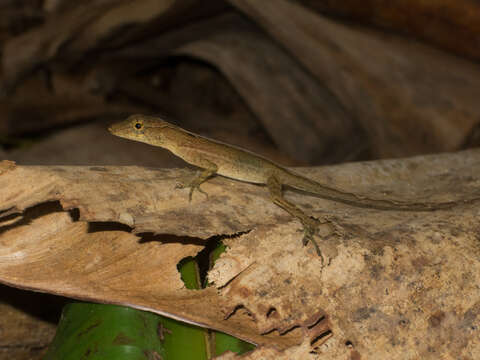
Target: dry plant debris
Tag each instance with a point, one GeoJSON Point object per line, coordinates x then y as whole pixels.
{"type": "Point", "coordinates": [395, 283]}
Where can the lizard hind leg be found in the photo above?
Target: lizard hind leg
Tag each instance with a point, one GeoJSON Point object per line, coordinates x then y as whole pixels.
{"type": "Point", "coordinates": [310, 225]}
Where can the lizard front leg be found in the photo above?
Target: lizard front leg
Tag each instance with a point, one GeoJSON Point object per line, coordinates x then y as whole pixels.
{"type": "Point", "coordinates": [309, 225]}
{"type": "Point", "coordinates": [209, 170]}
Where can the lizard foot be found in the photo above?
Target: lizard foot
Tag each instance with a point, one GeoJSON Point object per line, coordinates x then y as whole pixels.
{"type": "Point", "coordinates": [335, 228]}
{"type": "Point", "coordinates": [197, 181]}
{"type": "Point", "coordinates": [192, 186]}
{"type": "Point", "coordinates": [310, 227]}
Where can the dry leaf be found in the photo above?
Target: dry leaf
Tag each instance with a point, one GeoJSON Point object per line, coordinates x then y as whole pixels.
{"type": "Point", "coordinates": [394, 284]}
{"type": "Point", "coordinates": [35, 108]}
{"type": "Point", "coordinates": [400, 91]}
{"type": "Point", "coordinates": [82, 28]}
{"type": "Point", "coordinates": [26, 52]}
{"type": "Point", "coordinates": [22, 325]}
{"type": "Point", "coordinates": [451, 24]}
{"type": "Point", "coordinates": [290, 104]}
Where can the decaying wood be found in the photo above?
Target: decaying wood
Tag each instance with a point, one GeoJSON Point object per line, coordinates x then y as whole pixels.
{"type": "Point", "coordinates": [394, 285]}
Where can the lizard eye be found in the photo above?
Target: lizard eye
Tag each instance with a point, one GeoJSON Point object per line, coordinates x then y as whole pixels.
{"type": "Point", "coordinates": [138, 126]}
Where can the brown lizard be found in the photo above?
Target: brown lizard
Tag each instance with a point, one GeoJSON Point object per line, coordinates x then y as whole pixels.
{"type": "Point", "coordinates": [215, 157]}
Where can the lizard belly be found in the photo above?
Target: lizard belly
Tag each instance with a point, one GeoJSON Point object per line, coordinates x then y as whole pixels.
{"type": "Point", "coordinates": [230, 162]}
{"type": "Point", "coordinates": [251, 176]}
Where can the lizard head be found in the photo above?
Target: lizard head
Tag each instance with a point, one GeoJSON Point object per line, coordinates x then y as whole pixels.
{"type": "Point", "coordinates": [141, 128]}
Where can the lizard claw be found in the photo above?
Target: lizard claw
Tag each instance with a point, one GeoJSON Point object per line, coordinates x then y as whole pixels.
{"type": "Point", "coordinates": [200, 190]}
{"type": "Point", "coordinates": [192, 188]}
{"type": "Point", "coordinates": [309, 231]}
{"type": "Point", "coordinates": [195, 183]}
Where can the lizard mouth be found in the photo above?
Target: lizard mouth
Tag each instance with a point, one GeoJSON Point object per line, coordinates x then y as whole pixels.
{"type": "Point", "coordinates": [124, 129]}
{"type": "Point", "coordinates": [115, 129]}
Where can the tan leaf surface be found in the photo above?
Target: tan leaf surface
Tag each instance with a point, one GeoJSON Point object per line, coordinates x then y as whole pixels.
{"type": "Point", "coordinates": [394, 283]}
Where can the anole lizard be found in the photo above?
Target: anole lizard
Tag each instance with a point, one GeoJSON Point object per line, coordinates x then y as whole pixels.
{"type": "Point", "coordinates": [215, 157]}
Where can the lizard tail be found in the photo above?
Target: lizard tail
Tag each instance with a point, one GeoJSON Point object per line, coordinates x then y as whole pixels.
{"type": "Point", "coordinates": [298, 182]}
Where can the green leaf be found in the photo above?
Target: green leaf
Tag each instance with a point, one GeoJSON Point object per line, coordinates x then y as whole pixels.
{"type": "Point", "coordinates": [224, 342]}
{"type": "Point", "coordinates": [182, 340]}
{"type": "Point", "coordinates": [96, 331]}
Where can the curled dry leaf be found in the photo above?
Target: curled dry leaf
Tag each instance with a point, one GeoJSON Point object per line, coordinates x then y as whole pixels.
{"type": "Point", "coordinates": [67, 103]}
{"type": "Point", "coordinates": [400, 91]}
{"type": "Point", "coordinates": [451, 24]}
{"type": "Point", "coordinates": [289, 102]}
{"type": "Point", "coordinates": [24, 53]}
{"type": "Point", "coordinates": [397, 90]}
{"type": "Point", "coordinates": [83, 28]}
{"type": "Point", "coordinates": [286, 99]}
{"type": "Point", "coordinates": [393, 285]}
